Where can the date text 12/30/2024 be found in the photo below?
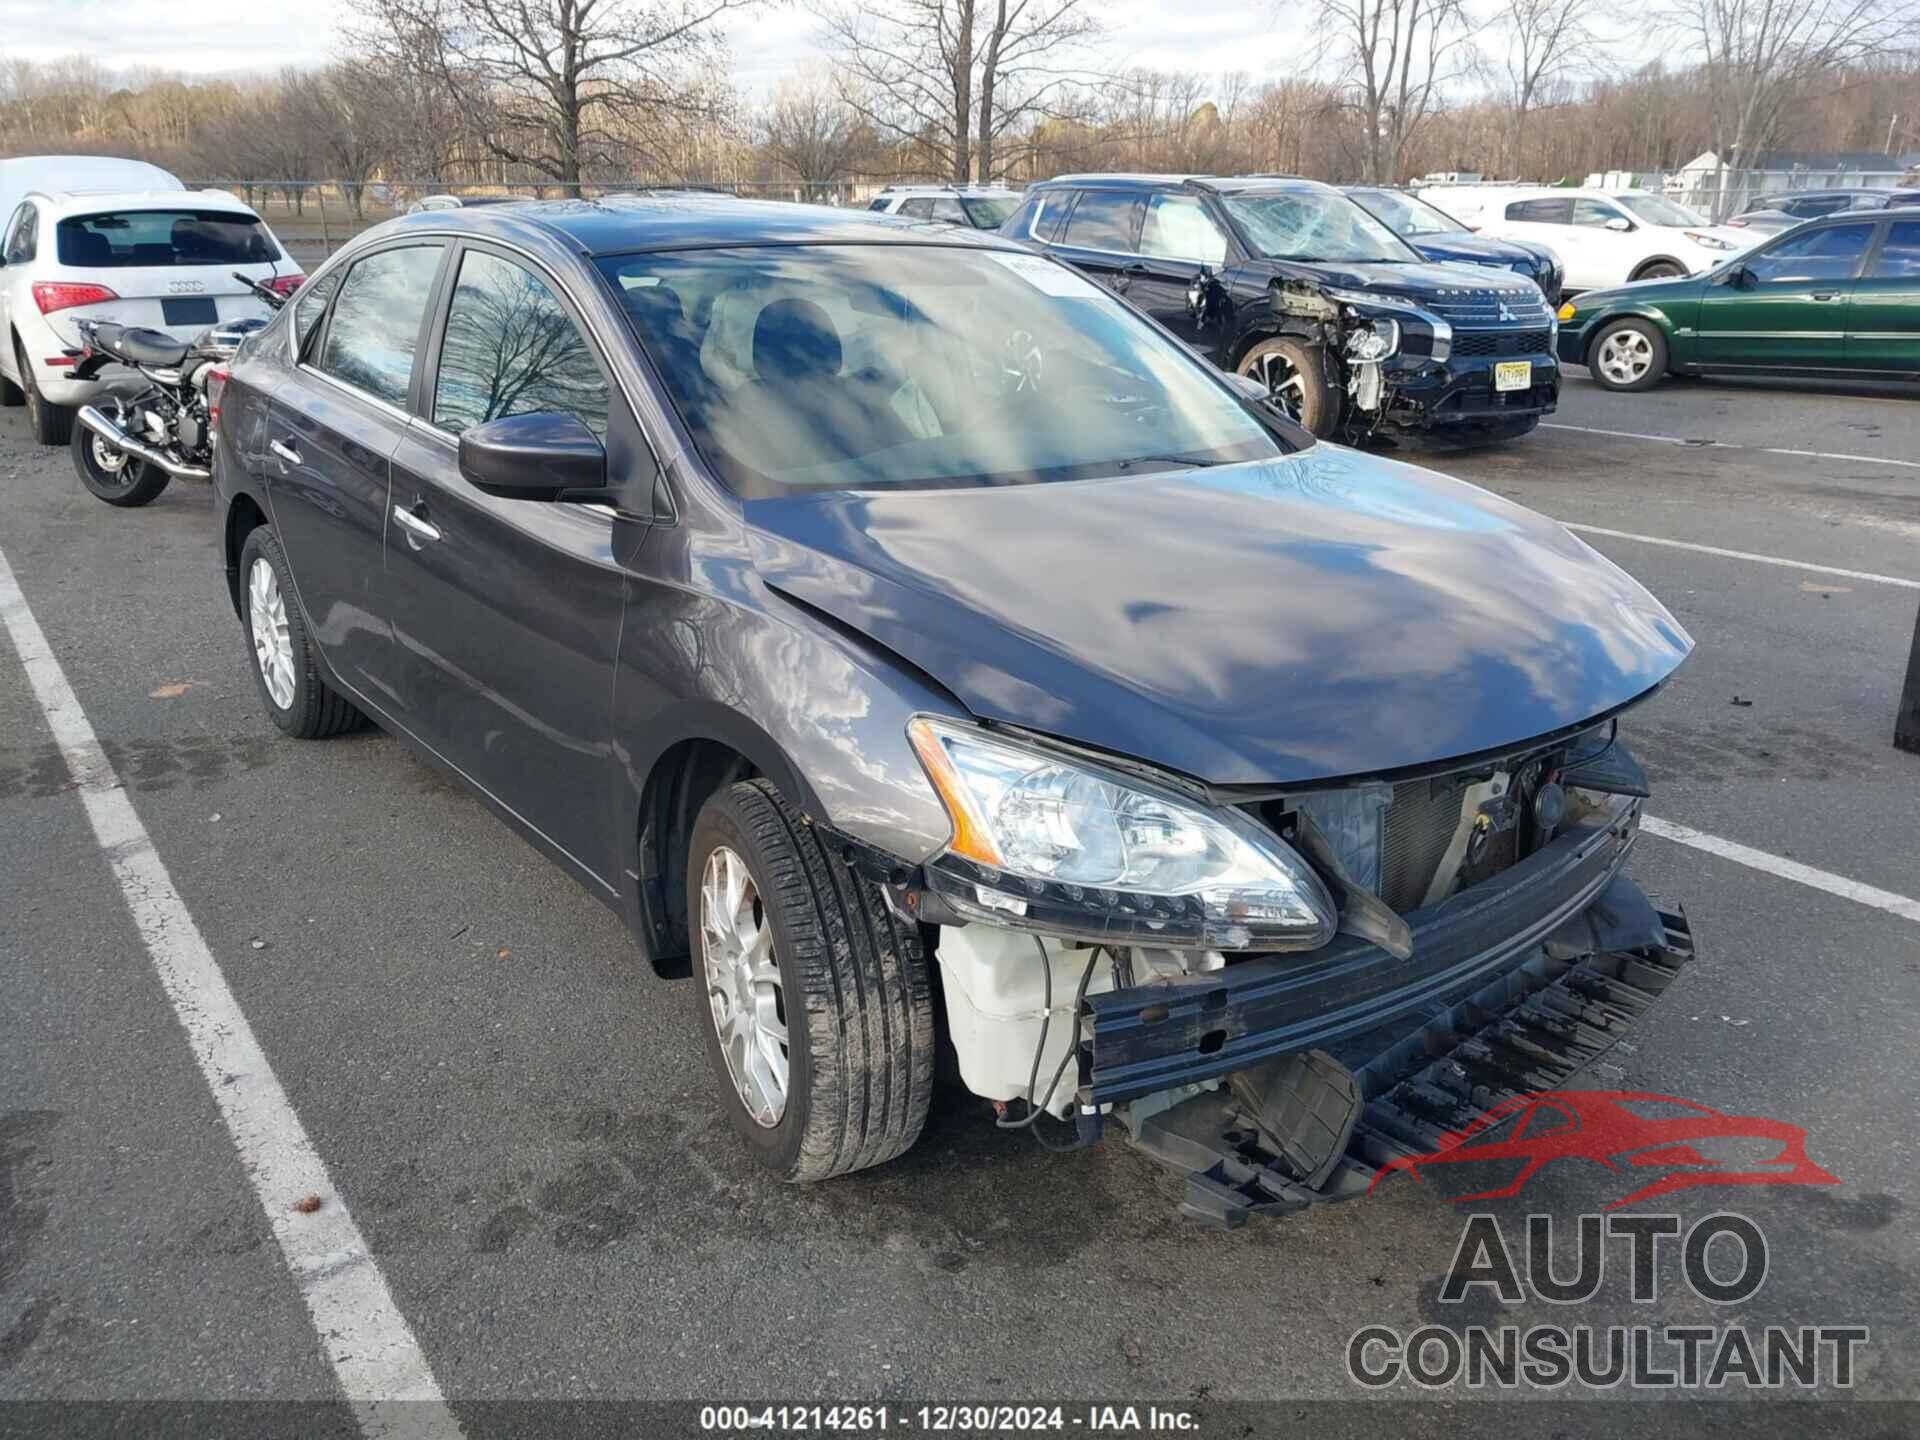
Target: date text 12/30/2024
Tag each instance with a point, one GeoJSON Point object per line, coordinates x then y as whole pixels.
{"type": "Point", "coordinates": [944, 1419]}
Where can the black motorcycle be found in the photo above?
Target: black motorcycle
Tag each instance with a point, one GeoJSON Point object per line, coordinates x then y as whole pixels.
{"type": "Point", "coordinates": [155, 423]}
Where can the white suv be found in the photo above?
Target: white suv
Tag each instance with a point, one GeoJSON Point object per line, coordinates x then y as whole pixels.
{"type": "Point", "coordinates": [984, 207]}
{"type": "Point", "coordinates": [1603, 237]}
{"type": "Point", "coordinates": [160, 258]}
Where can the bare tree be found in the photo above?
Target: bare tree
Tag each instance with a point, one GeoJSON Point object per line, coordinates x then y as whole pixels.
{"type": "Point", "coordinates": [813, 134]}
{"type": "Point", "coordinates": [559, 86]}
{"type": "Point", "coordinates": [1543, 45]}
{"type": "Point", "coordinates": [1396, 57]}
{"type": "Point", "coordinates": [953, 77]}
{"type": "Point", "coordinates": [1756, 55]}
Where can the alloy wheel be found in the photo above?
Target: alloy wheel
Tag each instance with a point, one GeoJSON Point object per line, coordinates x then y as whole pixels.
{"type": "Point", "coordinates": [1286, 387]}
{"type": "Point", "coordinates": [272, 645]}
{"type": "Point", "coordinates": [743, 986]}
{"type": "Point", "coordinates": [1625, 356]}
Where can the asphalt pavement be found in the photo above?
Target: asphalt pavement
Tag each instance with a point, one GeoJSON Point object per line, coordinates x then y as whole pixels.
{"type": "Point", "coordinates": [519, 1117]}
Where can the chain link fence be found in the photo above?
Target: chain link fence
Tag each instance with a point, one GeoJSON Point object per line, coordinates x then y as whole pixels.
{"type": "Point", "coordinates": [313, 218]}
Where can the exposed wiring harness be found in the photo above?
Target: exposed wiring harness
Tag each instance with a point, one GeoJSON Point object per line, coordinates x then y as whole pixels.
{"type": "Point", "coordinates": [1037, 1108]}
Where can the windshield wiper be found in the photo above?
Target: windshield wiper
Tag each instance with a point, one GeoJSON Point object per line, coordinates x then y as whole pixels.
{"type": "Point", "coordinates": [1197, 462]}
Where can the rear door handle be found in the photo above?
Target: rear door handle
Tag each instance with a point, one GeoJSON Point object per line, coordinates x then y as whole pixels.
{"type": "Point", "coordinates": [417, 526]}
{"type": "Point", "coordinates": [1826, 294]}
{"type": "Point", "coordinates": [284, 451]}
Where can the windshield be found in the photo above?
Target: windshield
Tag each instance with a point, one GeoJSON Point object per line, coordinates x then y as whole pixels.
{"type": "Point", "coordinates": [128, 238]}
{"type": "Point", "coordinates": [987, 213]}
{"type": "Point", "coordinates": [826, 367]}
{"type": "Point", "coordinates": [1658, 210]}
{"type": "Point", "coordinates": [1314, 225]}
{"type": "Point", "coordinates": [1405, 214]}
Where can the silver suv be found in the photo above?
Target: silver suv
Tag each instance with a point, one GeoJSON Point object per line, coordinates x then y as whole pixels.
{"type": "Point", "coordinates": [983, 207]}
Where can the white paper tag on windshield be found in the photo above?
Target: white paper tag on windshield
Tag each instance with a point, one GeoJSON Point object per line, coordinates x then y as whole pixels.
{"type": "Point", "coordinates": [1047, 277]}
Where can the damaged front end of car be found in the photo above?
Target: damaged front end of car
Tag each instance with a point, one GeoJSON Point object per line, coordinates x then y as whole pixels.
{"type": "Point", "coordinates": [1277, 991]}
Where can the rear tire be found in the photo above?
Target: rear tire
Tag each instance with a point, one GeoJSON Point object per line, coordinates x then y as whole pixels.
{"type": "Point", "coordinates": [129, 482]}
{"type": "Point", "coordinates": [51, 424]}
{"type": "Point", "coordinates": [280, 652]}
{"type": "Point", "coordinates": [808, 980]}
{"type": "Point", "coordinates": [1295, 374]}
{"type": "Point", "coordinates": [1659, 270]}
{"type": "Point", "coordinates": [1628, 355]}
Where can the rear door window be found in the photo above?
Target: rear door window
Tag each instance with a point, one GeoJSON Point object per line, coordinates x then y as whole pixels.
{"type": "Point", "coordinates": [1103, 220]}
{"type": "Point", "coordinates": [1541, 212]}
{"type": "Point", "coordinates": [1899, 257]}
{"type": "Point", "coordinates": [1594, 213]}
{"type": "Point", "coordinates": [917, 209]}
{"type": "Point", "coordinates": [375, 329]}
{"type": "Point", "coordinates": [130, 239]}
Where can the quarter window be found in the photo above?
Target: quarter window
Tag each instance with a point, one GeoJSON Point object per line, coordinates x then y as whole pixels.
{"type": "Point", "coordinates": [1832, 253]}
{"type": "Point", "coordinates": [1900, 252]}
{"type": "Point", "coordinates": [1178, 228]}
{"type": "Point", "coordinates": [512, 349]}
{"type": "Point", "coordinates": [19, 246]}
{"type": "Point", "coordinates": [376, 321]}
{"type": "Point", "coordinates": [1103, 220]}
{"type": "Point", "coordinates": [312, 303]}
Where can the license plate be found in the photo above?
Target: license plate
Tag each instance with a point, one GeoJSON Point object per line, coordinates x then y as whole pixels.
{"type": "Point", "coordinates": [197, 311]}
{"type": "Point", "coordinates": [1513, 375]}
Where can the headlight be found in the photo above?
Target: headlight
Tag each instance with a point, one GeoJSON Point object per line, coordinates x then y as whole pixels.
{"type": "Point", "coordinates": [1564, 313]}
{"type": "Point", "coordinates": [1360, 299]}
{"type": "Point", "coordinates": [1057, 846]}
{"type": "Point", "coordinates": [1374, 340]}
{"type": "Point", "coordinates": [1710, 242]}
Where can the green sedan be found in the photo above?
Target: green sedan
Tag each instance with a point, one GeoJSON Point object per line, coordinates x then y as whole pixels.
{"type": "Point", "coordinates": [1839, 296]}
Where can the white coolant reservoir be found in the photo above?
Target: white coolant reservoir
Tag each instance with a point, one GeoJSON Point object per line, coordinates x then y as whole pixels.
{"type": "Point", "coordinates": [996, 989]}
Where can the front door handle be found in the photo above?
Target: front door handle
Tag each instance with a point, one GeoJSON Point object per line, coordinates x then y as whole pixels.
{"type": "Point", "coordinates": [417, 526]}
{"type": "Point", "coordinates": [1826, 294]}
{"type": "Point", "coordinates": [284, 451]}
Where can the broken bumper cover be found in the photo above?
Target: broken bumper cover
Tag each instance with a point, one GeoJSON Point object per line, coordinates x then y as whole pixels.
{"type": "Point", "coordinates": [1154, 1037]}
{"type": "Point", "coordinates": [1433, 1041]}
{"type": "Point", "coordinates": [1460, 392]}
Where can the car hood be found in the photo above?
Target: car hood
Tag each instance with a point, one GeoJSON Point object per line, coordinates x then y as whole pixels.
{"type": "Point", "coordinates": [1320, 615]}
{"type": "Point", "coordinates": [1464, 245]}
{"type": "Point", "coordinates": [1418, 281]}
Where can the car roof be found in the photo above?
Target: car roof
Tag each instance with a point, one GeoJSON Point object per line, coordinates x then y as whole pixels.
{"type": "Point", "coordinates": [623, 224]}
{"type": "Point", "coordinates": [948, 190]}
{"type": "Point", "coordinates": [55, 175]}
{"type": "Point", "coordinates": [1221, 184]}
{"type": "Point", "coordinates": [87, 202]}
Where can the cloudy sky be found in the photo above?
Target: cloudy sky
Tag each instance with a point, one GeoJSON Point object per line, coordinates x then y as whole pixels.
{"type": "Point", "coordinates": [214, 36]}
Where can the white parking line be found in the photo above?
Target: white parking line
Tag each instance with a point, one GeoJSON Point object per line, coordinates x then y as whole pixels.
{"type": "Point", "coordinates": [1745, 555]}
{"type": "Point", "coordinates": [1726, 445]}
{"type": "Point", "coordinates": [1786, 869]}
{"type": "Point", "coordinates": [374, 1354]}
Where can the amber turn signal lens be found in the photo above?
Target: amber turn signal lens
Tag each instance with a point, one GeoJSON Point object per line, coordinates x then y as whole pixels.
{"type": "Point", "coordinates": [969, 834]}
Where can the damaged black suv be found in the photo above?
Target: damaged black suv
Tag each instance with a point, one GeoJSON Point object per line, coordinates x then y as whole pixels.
{"type": "Point", "coordinates": [1293, 284]}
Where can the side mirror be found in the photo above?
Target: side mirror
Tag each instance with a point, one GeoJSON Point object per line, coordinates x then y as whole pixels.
{"type": "Point", "coordinates": [1739, 277]}
{"type": "Point", "coordinates": [1620, 223]}
{"type": "Point", "coordinates": [545, 456]}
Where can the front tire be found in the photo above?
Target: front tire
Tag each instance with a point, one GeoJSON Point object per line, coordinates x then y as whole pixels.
{"type": "Point", "coordinates": [112, 475]}
{"type": "Point", "coordinates": [51, 424]}
{"type": "Point", "coordinates": [280, 650]}
{"type": "Point", "coordinates": [1295, 374]}
{"type": "Point", "coordinates": [1628, 355]}
{"type": "Point", "coordinates": [816, 1002]}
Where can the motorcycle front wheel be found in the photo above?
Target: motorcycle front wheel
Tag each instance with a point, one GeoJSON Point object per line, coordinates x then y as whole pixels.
{"type": "Point", "coordinates": [112, 475]}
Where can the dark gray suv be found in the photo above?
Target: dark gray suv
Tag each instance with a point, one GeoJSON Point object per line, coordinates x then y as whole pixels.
{"type": "Point", "coordinates": [922, 649]}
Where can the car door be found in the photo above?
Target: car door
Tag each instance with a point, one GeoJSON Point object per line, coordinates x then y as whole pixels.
{"type": "Point", "coordinates": [1786, 304]}
{"type": "Point", "coordinates": [332, 428]}
{"type": "Point", "coordinates": [1883, 315]}
{"type": "Point", "coordinates": [1099, 236]}
{"type": "Point", "coordinates": [1604, 238]}
{"type": "Point", "coordinates": [1177, 239]}
{"type": "Point", "coordinates": [506, 613]}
